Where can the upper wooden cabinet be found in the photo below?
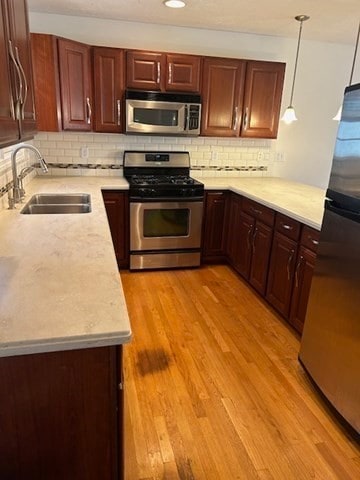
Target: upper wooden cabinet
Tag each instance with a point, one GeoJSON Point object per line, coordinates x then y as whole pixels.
{"type": "Point", "coordinates": [262, 99]}
{"type": "Point", "coordinates": [241, 98]}
{"type": "Point", "coordinates": [46, 82]}
{"type": "Point", "coordinates": [75, 85]}
{"type": "Point", "coordinates": [17, 111]}
{"type": "Point", "coordinates": [222, 94]}
{"type": "Point", "coordinates": [162, 71]}
{"type": "Point", "coordinates": [108, 89]}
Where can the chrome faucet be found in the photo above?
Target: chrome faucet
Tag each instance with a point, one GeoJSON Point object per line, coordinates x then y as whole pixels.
{"type": "Point", "coordinates": [19, 193]}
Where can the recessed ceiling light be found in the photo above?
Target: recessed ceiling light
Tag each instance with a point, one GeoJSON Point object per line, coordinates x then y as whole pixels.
{"type": "Point", "coordinates": [175, 3]}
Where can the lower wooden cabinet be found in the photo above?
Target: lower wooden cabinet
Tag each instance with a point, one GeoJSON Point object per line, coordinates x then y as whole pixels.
{"type": "Point", "coordinates": [61, 415]}
{"type": "Point", "coordinates": [240, 232]}
{"type": "Point", "coordinates": [261, 247]}
{"type": "Point", "coordinates": [117, 210]}
{"type": "Point", "coordinates": [305, 264]}
{"type": "Point", "coordinates": [215, 226]}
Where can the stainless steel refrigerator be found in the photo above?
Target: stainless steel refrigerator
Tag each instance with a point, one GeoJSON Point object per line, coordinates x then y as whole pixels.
{"type": "Point", "coordinates": [330, 345]}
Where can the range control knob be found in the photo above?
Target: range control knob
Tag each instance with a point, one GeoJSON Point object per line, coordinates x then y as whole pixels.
{"type": "Point", "coordinates": [147, 192]}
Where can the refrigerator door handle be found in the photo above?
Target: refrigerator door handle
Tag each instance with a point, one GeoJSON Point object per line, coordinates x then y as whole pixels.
{"type": "Point", "coordinates": [343, 212]}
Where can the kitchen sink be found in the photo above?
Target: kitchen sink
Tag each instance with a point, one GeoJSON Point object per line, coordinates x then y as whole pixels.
{"type": "Point", "coordinates": [51, 203]}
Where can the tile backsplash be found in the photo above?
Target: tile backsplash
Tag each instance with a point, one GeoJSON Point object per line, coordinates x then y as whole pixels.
{"type": "Point", "coordinates": [74, 153]}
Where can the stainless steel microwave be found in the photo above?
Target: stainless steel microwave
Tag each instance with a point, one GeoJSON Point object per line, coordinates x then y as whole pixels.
{"type": "Point", "coordinates": [158, 113]}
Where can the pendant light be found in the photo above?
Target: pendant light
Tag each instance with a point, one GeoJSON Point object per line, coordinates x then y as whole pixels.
{"type": "Point", "coordinates": [289, 114]}
{"type": "Point", "coordinates": [338, 115]}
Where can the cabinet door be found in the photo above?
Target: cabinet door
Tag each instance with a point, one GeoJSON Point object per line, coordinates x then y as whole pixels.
{"type": "Point", "coordinates": [144, 70]}
{"type": "Point", "coordinates": [9, 129]}
{"type": "Point", "coordinates": [46, 82]}
{"type": "Point", "coordinates": [20, 38]}
{"type": "Point", "coordinates": [222, 91]}
{"type": "Point", "coordinates": [75, 84]}
{"type": "Point", "coordinates": [303, 277]}
{"type": "Point", "coordinates": [261, 243]}
{"type": "Point", "coordinates": [59, 416]}
{"type": "Point", "coordinates": [117, 210]}
{"type": "Point", "coordinates": [281, 273]}
{"type": "Point", "coordinates": [240, 246]}
{"type": "Point", "coordinates": [108, 89]}
{"type": "Point", "coordinates": [214, 233]}
{"type": "Point", "coordinates": [183, 73]}
{"type": "Point", "coordinates": [262, 101]}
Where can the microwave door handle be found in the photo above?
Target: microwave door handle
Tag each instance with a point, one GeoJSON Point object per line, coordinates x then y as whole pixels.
{"type": "Point", "coordinates": [186, 119]}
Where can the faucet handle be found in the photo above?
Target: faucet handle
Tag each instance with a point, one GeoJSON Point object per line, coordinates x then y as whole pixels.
{"type": "Point", "coordinates": [43, 165]}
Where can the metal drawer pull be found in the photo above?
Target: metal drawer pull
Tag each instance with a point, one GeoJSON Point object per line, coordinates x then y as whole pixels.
{"type": "Point", "coordinates": [255, 210]}
{"type": "Point", "coordinates": [170, 73]}
{"type": "Point", "coordinates": [315, 242]}
{"type": "Point", "coordinates": [286, 227]}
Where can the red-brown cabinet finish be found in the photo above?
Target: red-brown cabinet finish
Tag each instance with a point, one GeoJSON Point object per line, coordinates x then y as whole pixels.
{"type": "Point", "coordinates": [162, 71]}
{"type": "Point", "coordinates": [17, 110]}
{"type": "Point", "coordinates": [303, 276]}
{"type": "Point", "coordinates": [117, 210]}
{"type": "Point", "coordinates": [240, 238]}
{"type": "Point", "coordinates": [46, 82]}
{"type": "Point", "coordinates": [262, 100]}
{"type": "Point", "coordinates": [281, 273]}
{"type": "Point", "coordinates": [61, 415]}
{"type": "Point", "coordinates": [222, 95]}
{"type": "Point", "coordinates": [261, 248]}
{"type": "Point", "coordinates": [215, 227]}
{"type": "Point", "coordinates": [108, 89]}
{"type": "Point", "coordinates": [75, 83]}
{"type": "Point", "coordinates": [20, 45]}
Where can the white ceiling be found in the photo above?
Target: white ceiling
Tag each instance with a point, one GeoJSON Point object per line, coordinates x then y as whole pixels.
{"type": "Point", "coordinates": [330, 20]}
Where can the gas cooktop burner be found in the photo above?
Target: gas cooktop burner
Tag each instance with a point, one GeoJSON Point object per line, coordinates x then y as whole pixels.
{"type": "Point", "coordinates": [162, 180]}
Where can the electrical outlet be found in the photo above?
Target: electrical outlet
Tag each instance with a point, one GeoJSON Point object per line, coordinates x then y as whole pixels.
{"type": "Point", "coordinates": [84, 152]}
{"type": "Point", "coordinates": [214, 156]}
{"type": "Point", "coordinates": [260, 156]}
{"type": "Point", "coordinates": [280, 157]}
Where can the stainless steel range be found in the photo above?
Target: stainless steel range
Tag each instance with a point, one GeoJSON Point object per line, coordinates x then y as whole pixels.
{"type": "Point", "coordinates": [166, 209]}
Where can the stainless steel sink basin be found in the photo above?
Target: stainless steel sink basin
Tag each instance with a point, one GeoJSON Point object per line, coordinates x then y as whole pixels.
{"type": "Point", "coordinates": [59, 198]}
{"type": "Point", "coordinates": [51, 203]}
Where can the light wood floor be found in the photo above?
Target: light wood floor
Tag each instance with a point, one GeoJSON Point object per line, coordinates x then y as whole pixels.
{"type": "Point", "coordinates": [214, 390]}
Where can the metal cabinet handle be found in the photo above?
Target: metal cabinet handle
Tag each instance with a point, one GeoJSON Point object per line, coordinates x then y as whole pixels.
{"type": "Point", "coordinates": [249, 235]}
{"type": "Point", "coordinates": [298, 266]}
{"type": "Point", "coordinates": [254, 239]}
{"type": "Point", "coordinates": [186, 119]}
{"type": "Point", "coordinates": [118, 107]}
{"type": "Point", "coordinates": [158, 72]}
{"type": "Point", "coordinates": [291, 256]}
{"type": "Point", "coordinates": [246, 118]}
{"type": "Point", "coordinates": [89, 111]}
{"type": "Point", "coordinates": [170, 73]}
{"type": "Point", "coordinates": [286, 227]}
{"type": "Point", "coordinates": [23, 102]}
{"type": "Point", "coordinates": [16, 115]}
{"type": "Point", "coordinates": [235, 118]}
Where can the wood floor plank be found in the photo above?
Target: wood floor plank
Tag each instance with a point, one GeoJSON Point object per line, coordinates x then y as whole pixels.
{"type": "Point", "coordinates": [214, 389]}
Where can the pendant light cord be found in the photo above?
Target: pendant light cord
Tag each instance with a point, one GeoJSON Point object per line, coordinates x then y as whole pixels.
{"type": "Point", "coordinates": [296, 62]}
{"type": "Point", "coordinates": [355, 53]}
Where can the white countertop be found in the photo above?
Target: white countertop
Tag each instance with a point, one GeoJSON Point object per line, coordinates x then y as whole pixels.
{"type": "Point", "coordinates": [60, 288]}
{"type": "Point", "coordinates": [301, 202]}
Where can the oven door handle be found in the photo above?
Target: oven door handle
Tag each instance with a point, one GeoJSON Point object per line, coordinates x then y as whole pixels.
{"type": "Point", "coordinates": [166, 199]}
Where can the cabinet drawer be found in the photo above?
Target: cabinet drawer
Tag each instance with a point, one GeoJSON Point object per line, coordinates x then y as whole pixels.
{"type": "Point", "coordinates": [256, 210]}
{"type": "Point", "coordinates": [287, 226]}
{"type": "Point", "coordinates": [310, 238]}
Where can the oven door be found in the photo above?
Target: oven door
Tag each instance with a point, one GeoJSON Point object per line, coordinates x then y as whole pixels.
{"type": "Point", "coordinates": [165, 225]}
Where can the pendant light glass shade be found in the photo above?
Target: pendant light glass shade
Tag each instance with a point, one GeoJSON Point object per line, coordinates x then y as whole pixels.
{"type": "Point", "coordinates": [175, 3]}
{"type": "Point", "coordinates": [289, 114]}
{"type": "Point", "coordinates": [338, 115]}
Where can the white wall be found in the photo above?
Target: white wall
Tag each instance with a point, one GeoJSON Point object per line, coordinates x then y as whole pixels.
{"type": "Point", "coordinates": [323, 72]}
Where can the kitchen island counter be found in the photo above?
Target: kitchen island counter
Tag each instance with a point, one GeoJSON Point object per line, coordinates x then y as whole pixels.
{"type": "Point", "coordinates": [59, 283]}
